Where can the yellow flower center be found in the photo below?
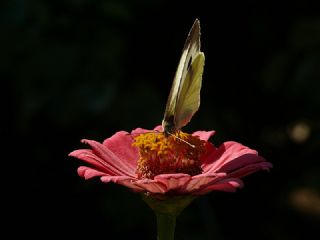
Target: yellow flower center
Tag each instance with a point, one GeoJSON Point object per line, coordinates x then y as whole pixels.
{"type": "Point", "coordinates": [160, 154]}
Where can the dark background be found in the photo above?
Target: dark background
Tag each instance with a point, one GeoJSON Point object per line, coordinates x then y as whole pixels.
{"type": "Point", "coordinates": [78, 69]}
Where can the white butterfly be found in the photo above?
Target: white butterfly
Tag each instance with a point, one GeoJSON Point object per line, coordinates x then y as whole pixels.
{"type": "Point", "coordinates": [184, 98]}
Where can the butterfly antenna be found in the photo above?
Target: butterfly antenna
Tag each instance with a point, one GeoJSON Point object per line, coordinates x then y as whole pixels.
{"type": "Point", "coordinates": [191, 145]}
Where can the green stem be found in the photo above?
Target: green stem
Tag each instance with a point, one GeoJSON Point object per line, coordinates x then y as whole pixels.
{"type": "Point", "coordinates": [167, 209]}
{"type": "Point", "coordinates": [166, 225]}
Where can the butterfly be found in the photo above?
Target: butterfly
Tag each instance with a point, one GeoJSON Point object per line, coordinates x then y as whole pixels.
{"type": "Point", "coordinates": [184, 97]}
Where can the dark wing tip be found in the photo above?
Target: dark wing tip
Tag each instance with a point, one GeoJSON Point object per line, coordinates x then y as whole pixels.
{"type": "Point", "coordinates": [195, 27]}
{"type": "Point", "coordinates": [194, 34]}
{"type": "Point", "coordinates": [196, 22]}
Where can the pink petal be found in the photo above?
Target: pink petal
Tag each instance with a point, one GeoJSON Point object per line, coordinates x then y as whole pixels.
{"type": "Point", "coordinates": [173, 181]}
{"type": "Point", "coordinates": [242, 161]}
{"type": "Point", "coordinates": [151, 186]}
{"type": "Point", "coordinates": [199, 181]}
{"type": "Point", "coordinates": [138, 131]}
{"type": "Point", "coordinates": [87, 172]}
{"type": "Point", "coordinates": [227, 185]}
{"type": "Point", "coordinates": [121, 145]}
{"type": "Point", "coordinates": [109, 159]}
{"type": "Point", "coordinates": [204, 135]}
{"type": "Point", "coordinates": [207, 157]}
{"type": "Point", "coordinates": [227, 152]}
{"type": "Point", "coordinates": [122, 180]}
{"type": "Point", "coordinates": [246, 170]}
{"type": "Point", "coordinates": [158, 128]}
{"type": "Point", "coordinates": [88, 156]}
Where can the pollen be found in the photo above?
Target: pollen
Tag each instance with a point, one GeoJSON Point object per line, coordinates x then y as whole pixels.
{"type": "Point", "coordinates": [176, 153]}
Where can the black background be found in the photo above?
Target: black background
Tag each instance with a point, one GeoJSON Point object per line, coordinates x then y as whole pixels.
{"type": "Point", "coordinates": [86, 69]}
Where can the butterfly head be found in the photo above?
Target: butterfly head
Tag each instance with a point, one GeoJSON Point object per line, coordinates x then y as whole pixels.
{"type": "Point", "coordinates": [168, 126]}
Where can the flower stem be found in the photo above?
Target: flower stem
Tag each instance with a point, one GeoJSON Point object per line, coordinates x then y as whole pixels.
{"type": "Point", "coordinates": [166, 225]}
{"type": "Point", "coordinates": [167, 209]}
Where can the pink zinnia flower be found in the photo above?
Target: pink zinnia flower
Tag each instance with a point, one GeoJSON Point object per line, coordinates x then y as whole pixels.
{"type": "Point", "coordinates": [147, 161]}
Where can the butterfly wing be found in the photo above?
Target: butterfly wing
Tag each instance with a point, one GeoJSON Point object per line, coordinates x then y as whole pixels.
{"type": "Point", "coordinates": [188, 100]}
{"type": "Point", "coordinates": [184, 97]}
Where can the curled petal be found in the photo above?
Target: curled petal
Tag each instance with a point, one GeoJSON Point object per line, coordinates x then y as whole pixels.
{"type": "Point", "coordinates": [204, 135]}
